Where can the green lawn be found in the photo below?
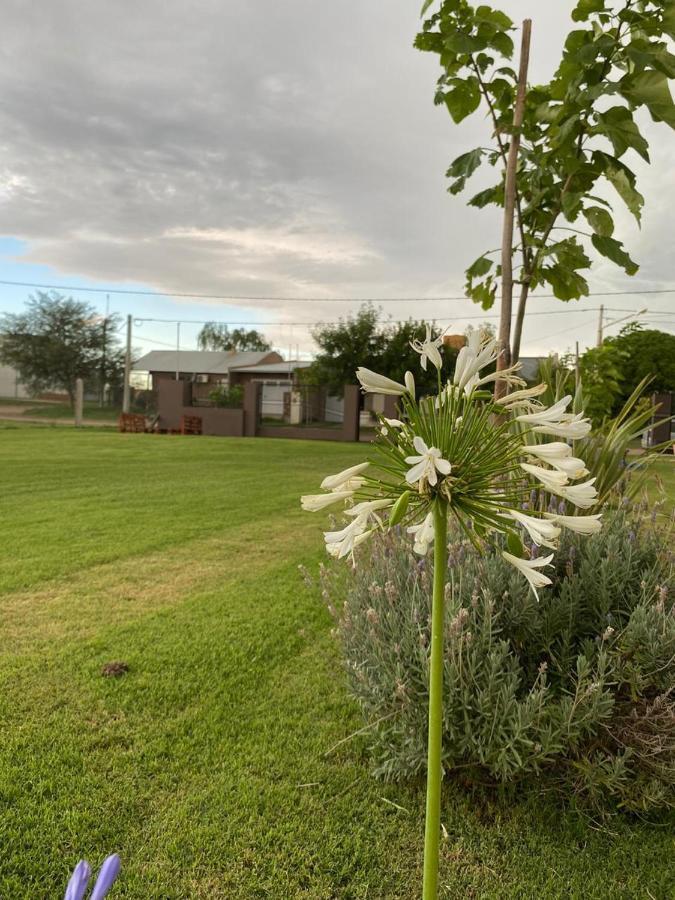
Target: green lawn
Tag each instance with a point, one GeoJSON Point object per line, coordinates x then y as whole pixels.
{"type": "Point", "coordinates": [206, 765]}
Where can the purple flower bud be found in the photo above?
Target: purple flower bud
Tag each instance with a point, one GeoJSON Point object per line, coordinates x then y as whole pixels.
{"type": "Point", "coordinates": [109, 872]}
{"type": "Point", "coordinates": [534, 496]}
{"type": "Point", "coordinates": [561, 508]}
{"type": "Point", "coordinates": [78, 881]}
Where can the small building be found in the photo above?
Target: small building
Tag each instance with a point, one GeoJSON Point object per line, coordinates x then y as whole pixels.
{"type": "Point", "coordinates": [10, 384]}
{"type": "Point", "coordinates": [210, 367]}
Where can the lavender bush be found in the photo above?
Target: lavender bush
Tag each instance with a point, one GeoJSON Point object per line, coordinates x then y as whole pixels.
{"type": "Point", "coordinates": [574, 690]}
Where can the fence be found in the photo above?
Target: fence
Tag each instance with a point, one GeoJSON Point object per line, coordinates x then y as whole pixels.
{"type": "Point", "coordinates": [269, 410]}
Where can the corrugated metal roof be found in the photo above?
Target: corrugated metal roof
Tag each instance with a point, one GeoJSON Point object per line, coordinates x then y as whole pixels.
{"type": "Point", "coordinates": [237, 360]}
{"type": "Point", "coordinates": [281, 367]}
{"type": "Point", "coordinates": [197, 362]}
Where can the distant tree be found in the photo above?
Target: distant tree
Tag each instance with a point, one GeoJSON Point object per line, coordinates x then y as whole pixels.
{"type": "Point", "coordinates": [399, 356]}
{"type": "Point", "coordinates": [58, 340]}
{"type": "Point", "coordinates": [360, 340]}
{"type": "Point", "coordinates": [216, 336]}
{"type": "Point", "coordinates": [610, 373]}
{"type": "Point", "coordinates": [644, 351]}
{"type": "Point", "coordinates": [601, 370]}
{"type": "Point", "coordinates": [355, 341]}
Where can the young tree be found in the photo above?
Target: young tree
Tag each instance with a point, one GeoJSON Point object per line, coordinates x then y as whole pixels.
{"type": "Point", "coordinates": [58, 340]}
{"type": "Point", "coordinates": [555, 147]}
{"type": "Point", "coordinates": [216, 336]}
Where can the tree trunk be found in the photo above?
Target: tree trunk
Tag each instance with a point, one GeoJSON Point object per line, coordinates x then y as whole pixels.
{"type": "Point", "coordinates": [520, 318]}
{"type": "Point", "coordinates": [509, 210]}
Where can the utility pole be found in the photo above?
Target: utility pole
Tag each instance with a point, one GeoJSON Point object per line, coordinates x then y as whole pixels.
{"type": "Point", "coordinates": [127, 369]}
{"type": "Point", "coordinates": [576, 366]}
{"type": "Point", "coordinates": [103, 354]}
{"type": "Point", "coordinates": [600, 324]}
{"type": "Point", "coordinates": [177, 351]}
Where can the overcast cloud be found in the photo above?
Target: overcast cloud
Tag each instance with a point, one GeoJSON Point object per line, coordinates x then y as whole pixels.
{"type": "Point", "coordinates": [271, 149]}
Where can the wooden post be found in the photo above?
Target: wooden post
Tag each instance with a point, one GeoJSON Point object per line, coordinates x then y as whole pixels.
{"type": "Point", "coordinates": [79, 401]}
{"type": "Point", "coordinates": [510, 178]}
{"type": "Point", "coordinates": [351, 413]}
{"type": "Point", "coordinates": [252, 394]}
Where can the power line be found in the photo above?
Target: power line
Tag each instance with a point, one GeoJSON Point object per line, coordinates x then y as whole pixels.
{"type": "Point", "coordinates": [195, 296]}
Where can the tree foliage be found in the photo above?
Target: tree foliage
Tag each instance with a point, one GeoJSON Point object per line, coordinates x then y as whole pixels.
{"type": "Point", "coordinates": [58, 340]}
{"type": "Point", "coordinates": [360, 340]}
{"type": "Point", "coordinates": [644, 352]}
{"type": "Point", "coordinates": [577, 130]}
{"type": "Point", "coordinates": [216, 336]}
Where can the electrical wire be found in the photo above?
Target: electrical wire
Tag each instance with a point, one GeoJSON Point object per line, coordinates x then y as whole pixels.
{"type": "Point", "coordinates": [247, 299]}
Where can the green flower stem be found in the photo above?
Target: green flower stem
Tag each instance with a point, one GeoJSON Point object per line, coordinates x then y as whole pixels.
{"type": "Point", "coordinates": [432, 831]}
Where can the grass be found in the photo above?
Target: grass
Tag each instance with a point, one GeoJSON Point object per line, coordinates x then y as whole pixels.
{"type": "Point", "coordinates": [209, 766]}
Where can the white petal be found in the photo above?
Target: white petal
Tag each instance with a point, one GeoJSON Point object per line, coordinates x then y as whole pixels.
{"type": "Point", "coordinates": [373, 383]}
{"type": "Point", "coordinates": [443, 466]}
{"type": "Point", "coordinates": [335, 481]}
{"type": "Point", "coordinates": [579, 524]}
{"type": "Point", "coordinates": [545, 451]}
{"type": "Point", "coordinates": [316, 502]}
{"type": "Point", "coordinates": [416, 472]}
{"type": "Point", "coordinates": [420, 445]}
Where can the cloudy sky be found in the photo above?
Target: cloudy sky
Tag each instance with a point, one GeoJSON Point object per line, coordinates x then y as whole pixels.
{"type": "Point", "coordinates": [279, 149]}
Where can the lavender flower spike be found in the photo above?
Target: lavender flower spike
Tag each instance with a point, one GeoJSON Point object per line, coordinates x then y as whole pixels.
{"type": "Point", "coordinates": [78, 881]}
{"type": "Point", "coordinates": [109, 872]}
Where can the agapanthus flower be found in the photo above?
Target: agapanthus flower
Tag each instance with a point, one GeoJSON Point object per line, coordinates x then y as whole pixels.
{"type": "Point", "coordinates": [477, 458]}
{"type": "Point", "coordinates": [579, 524]}
{"type": "Point", "coordinates": [429, 349]}
{"type": "Point", "coordinates": [530, 569]}
{"type": "Point", "coordinates": [423, 535]}
{"type": "Point", "coordinates": [426, 463]}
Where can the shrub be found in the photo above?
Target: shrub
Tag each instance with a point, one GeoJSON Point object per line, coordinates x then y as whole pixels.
{"type": "Point", "coordinates": [231, 397]}
{"type": "Point", "coordinates": [575, 691]}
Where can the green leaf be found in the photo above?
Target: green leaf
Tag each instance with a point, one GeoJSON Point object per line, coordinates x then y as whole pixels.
{"type": "Point", "coordinates": [425, 6]}
{"type": "Point", "coordinates": [571, 202]}
{"type": "Point", "coordinates": [617, 124]}
{"type": "Point", "coordinates": [399, 509]}
{"type": "Point", "coordinates": [515, 545]}
{"type": "Point", "coordinates": [463, 167]}
{"type": "Point", "coordinates": [480, 267]}
{"type": "Point", "coordinates": [503, 43]}
{"type": "Point", "coordinates": [650, 89]}
{"type": "Point", "coordinates": [493, 17]}
{"type": "Point", "coordinates": [463, 98]}
{"type": "Point", "coordinates": [461, 42]}
{"type": "Point", "coordinates": [489, 195]}
{"type": "Point", "coordinates": [669, 18]}
{"type": "Point", "coordinates": [566, 284]}
{"type": "Point", "coordinates": [600, 221]}
{"type": "Point", "coordinates": [613, 250]}
{"type": "Point", "coordinates": [622, 180]}
{"type": "Point", "coordinates": [483, 293]}
{"type": "Point", "coordinates": [584, 8]}
{"type": "Point", "coordinates": [569, 254]}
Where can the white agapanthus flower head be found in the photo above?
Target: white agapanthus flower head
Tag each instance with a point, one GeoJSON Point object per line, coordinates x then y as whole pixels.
{"type": "Point", "coordinates": [472, 457]}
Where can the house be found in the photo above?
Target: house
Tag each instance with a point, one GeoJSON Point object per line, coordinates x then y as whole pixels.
{"type": "Point", "coordinates": [211, 367]}
{"type": "Point", "coordinates": [208, 369]}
